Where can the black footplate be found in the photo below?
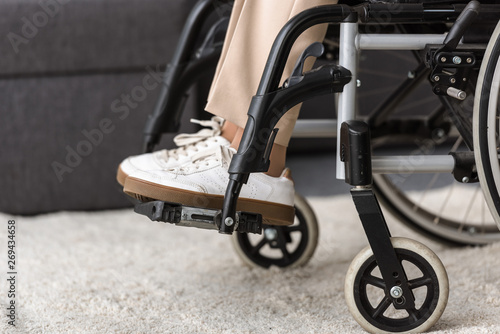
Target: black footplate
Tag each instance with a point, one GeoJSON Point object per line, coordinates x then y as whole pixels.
{"type": "Point", "coordinates": [180, 215]}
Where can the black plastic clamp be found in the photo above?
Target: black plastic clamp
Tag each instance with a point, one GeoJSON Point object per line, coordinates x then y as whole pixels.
{"type": "Point", "coordinates": [355, 152]}
{"type": "Point", "coordinates": [465, 167]}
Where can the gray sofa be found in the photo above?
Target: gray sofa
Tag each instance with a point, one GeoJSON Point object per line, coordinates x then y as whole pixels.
{"type": "Point", "coordinates": [75, 90]}
{"type": "Point", "coordinates": [78, 79]}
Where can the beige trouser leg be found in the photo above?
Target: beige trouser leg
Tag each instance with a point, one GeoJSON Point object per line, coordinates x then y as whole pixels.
{"type": "Point", "coordinates": [252, 29]}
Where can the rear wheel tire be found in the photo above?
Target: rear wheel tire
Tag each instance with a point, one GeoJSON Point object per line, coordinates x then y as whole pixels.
{"type": "Point", "coordinates": [439, 220]}
{"type": "Point", "coordinates": [486, 125]}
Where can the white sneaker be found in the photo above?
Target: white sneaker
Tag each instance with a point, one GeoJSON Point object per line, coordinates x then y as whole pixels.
{"type": "Point", "coordinates": [204, 141]}
{"type": "Point", "coordinates": [203, 182]}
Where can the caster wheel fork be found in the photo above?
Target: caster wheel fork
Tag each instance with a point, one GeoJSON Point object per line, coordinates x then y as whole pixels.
{"type": "Point", "coordinates": [395, 285]}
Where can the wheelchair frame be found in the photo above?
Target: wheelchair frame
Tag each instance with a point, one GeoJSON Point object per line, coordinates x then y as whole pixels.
{"type": "Point", "coordinates": [350, 44]}
{"type": "Point", "coordinates": [355, 164]}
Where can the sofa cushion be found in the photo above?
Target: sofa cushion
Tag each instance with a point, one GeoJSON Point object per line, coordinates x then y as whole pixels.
{"type": "Point", "coordinates": [46, 36]}
{"type": "Point", "coordinates": [65, 84]}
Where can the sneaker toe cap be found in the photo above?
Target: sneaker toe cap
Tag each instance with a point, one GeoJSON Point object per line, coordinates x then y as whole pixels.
{"type": "Point", "coordinates": [148, 161]}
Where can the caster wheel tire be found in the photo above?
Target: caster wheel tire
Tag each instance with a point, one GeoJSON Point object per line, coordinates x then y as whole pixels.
{"type": "Point", "coordinates": [281, 246]}
{"type": "Point", "coordinates": [369, 301]}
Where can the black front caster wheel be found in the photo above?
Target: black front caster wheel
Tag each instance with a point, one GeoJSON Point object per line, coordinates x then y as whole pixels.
{"type": "Point", "coordinates": [369, 300]}
{"type": "Point", "coordinates": [282, 246]}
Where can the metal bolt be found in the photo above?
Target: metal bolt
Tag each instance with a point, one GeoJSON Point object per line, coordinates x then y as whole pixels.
{"type": "Point", "coordinates": [411, 75]}
{"type": "Point", "coordinates": [469, 60]}
{"type": "Point", "coordinates": [457, 60]}
{"type": "Point", "coordinates": [270, 233]}
{"type": "Point", "coordinates": [396, 292]}
{"type": "Point", "coordinates": [436, 78]}
{"type": "Point", "coordinates": [443, 59]}
{"type": "Point", "coordinates": [358, 83]}
{"type": "Point", "coordinates": [453, 80]}
{"type": "Point", "coordinates": [465, 179]}
{"type": "Point", "coordinates": [439, 133]}
{"type": "Point", "coordinates": [229, 221]}
{"type": "Point", "coordinates": [456, 93]}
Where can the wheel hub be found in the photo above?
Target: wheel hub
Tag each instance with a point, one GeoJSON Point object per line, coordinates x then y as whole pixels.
{"type": "Point", "coordinates": [270, 234]}
{"type": "Point", "coordinates": [396, 292]}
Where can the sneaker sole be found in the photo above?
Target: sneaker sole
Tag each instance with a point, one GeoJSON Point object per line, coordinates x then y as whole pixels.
{"type": "Point", "coordinates": [121, 176]}
{"type": "Point", "coordinates": [272, 213]}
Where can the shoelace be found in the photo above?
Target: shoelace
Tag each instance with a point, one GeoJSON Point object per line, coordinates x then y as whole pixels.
{"type": "Point", "coordinates": [222, 155]}
{"type": "Point", "coordinates": [195, 141]}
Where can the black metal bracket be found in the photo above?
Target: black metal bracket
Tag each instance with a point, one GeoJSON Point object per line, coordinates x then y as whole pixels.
{"type": "Point", "coordinates": [181, 215]}
{"type": "Point", "coordinates": [452, 78]}
{"type": "Point", "coordinates": [314, 50]}
{"type": "Point", "coordinates": [450, 68]}
{"type": "Point", "coordinates": [379, 238]}
{"type": "Point", "coordinates": [465, 170]}
{"type": "Point", "coordinates": [356, 155]}
{"type": "Point", "coordinates": [266, 110]}
{"type": "Point", "coordinates": [214, 38]}
{"type": "Point", "coordinates": [184, 70]}
{"type": "Point", "coordinates": [271, 102]}
{"type": "Point", "coordinates": [260, 132]}
{"type": "Point", "coordinates": [424, 11]}
{"type": "Point", "coordinates": [450, 71]}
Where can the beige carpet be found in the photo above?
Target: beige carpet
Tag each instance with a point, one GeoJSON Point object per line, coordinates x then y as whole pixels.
{"type": "Point", "coordinates": [116, 272]}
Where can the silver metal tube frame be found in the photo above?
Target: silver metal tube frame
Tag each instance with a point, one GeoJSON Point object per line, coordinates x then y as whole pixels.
{"type": "Point", "coordinates": [349, 45]}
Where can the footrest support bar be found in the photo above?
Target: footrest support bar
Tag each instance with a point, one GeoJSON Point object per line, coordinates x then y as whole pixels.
{"type": "Point", "coordinates": [181, 215]}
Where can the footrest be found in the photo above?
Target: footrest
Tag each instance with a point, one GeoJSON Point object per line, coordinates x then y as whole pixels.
{"type": "Point", "coordinates": [178, 214]}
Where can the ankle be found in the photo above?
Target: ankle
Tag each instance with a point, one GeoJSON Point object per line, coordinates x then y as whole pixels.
{"type": "Point", "coordinates": [278, 160]}
{"type": "Point", "coordinates": [229, 130]}
{"type": "Point", "coordinates": [235, 143]}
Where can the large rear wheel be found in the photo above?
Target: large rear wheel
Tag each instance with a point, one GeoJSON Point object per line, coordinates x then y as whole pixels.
{"type": "Point", "coordinates": [486, 127]}
{"type": "Point", "coordinates": [436, 204]}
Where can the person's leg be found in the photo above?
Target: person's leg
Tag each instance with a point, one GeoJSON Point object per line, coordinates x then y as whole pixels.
{"type": "Point", "coordinates": [244, 57]}
{"type": "Point", "coordinates": [229, 130]}
{"type": "Point", "coordinates": [203, 181]}
{"type": "Point", "coordinates": [220, 134]}
{"type": "Point", "coordinates": [277, 158]}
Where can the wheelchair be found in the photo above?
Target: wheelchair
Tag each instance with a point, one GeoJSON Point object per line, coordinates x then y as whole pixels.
{"type": "Point", "coordinates": [456, 48]}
